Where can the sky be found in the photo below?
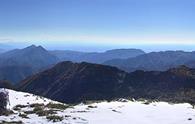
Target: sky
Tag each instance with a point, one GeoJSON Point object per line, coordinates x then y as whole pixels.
{"type": "Point", "coordinates": [99, 24]}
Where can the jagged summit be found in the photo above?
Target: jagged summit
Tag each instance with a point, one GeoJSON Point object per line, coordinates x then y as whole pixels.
{"type": "Point", "coordinates": [34, 47]}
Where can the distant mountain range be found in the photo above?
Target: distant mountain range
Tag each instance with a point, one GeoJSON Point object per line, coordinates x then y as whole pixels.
{"type": "Point", "coordinates": [17, 64]}
{"type": "Point", "coordinates": [75, 82]}
{"type": "Point", "coordinates": [155, 61]}
{"type": "Point", "coordinates": [95, 57]}
{"type": "Point", "coordinates": [132, 59]}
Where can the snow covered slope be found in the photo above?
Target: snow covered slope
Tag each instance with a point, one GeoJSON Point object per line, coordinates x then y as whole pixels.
{"type": "Point", "coordinates": [48, 111]}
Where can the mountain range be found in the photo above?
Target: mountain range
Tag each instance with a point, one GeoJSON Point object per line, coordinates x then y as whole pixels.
{"type": "Point", "coordinates": [17, 64]}
{"type": "Point", "coordinates": [95, 57]}
{"type": "Point", "coordinates": [155, 61]}
{"type": "Point", "coordinates": [160, 76]}
{"type": "Point", "coordinates": [75, 82]}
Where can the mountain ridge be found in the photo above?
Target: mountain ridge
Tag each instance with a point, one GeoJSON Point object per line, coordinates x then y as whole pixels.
{"type": "Point", "coordinates": [75, 82]}
{"type": "Point", "coordinates": [96, 57]}
{"type": "Point", "coordinates": [154, 61]}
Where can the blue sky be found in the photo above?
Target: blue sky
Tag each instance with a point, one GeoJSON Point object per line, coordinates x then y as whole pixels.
{"type": "Point", "coordinates": [98, 23]}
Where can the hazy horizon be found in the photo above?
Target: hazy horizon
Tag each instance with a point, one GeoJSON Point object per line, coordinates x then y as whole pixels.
{"type": "Point", "coordinates": [99, 25]}
{"type": "Point", "coordinates": [95, 48]}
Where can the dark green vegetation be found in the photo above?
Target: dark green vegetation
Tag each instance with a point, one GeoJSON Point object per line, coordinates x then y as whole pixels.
{"type": "Point", "coordinates": [43, 110]}
{"type": "Point", "coordinates": [11, 122]}
{"type": "Point", "coordinates": [50, 111]}
{"type": "Point", "coordinates": [6, 112]}
{"type": "Point", "coordinates": [55, 118]}
{"type": "Point", "coordinates": [23, 116]}
{"type": "Point", "coordinates": [75, 82]}
{"type": "Point", "coordinates": [57, 106]}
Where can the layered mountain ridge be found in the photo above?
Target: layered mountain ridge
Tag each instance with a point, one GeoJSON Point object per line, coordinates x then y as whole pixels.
{"type": "Point", "coordinates": [75, 82]}
{"type": "Point", "coordinates": [155, 61]}
{"type": "Point", "coordinates": [96, 57]}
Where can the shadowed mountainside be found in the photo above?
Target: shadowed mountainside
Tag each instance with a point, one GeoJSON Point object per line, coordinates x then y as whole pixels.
{"type": "Point", "coordinates": [5, 84]}
{"type": "Point", "coordinates": [75, 82]}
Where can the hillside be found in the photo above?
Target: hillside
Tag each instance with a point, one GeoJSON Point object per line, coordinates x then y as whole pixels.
{"type": "Point", "coordinates": [75, 82]}
{"type": "Point", "coordinates": [5, 84]}
{"type": "Point", "coordinates": [31, 109]}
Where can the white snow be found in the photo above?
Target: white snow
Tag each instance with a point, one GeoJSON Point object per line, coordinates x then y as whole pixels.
{"type": "Point", "coordinates": [108, 112]}
{"type": "Point", "coordinates": [25, 98]}
{"type": "Point", "coordinates": [3, 90]}
{"type": "Point", "coordinates": [138, 113]}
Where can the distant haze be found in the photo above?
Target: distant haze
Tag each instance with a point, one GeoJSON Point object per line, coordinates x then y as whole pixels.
{"type": "Point", "coordinates": [98, 47]}
{"type": "Point", "coordinates": [96, 25]}
{"type": "Point", "coordinates": [102, 48]}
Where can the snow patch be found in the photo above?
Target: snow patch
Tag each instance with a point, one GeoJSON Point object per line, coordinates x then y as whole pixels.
{"type": "Point", "coordinates": [115, 112]}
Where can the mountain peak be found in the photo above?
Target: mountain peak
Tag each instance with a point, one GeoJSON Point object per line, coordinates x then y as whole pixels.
{"type": "Point", "coordinates": [31, 47]}
{"type": "Point", "coordinates": [34, 47]}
